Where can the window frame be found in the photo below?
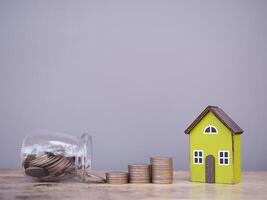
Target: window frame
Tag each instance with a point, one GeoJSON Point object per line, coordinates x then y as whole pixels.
{"type": "Point", "coordinates": [210, 133]}
{"type": "Point", "coordinates": [198, 157]}
{"type": "Point", "coordinates": [223, 157]}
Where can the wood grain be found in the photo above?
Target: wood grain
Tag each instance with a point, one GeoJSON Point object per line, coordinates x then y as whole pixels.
{"type": "Point", "coordinates": [13, 185]}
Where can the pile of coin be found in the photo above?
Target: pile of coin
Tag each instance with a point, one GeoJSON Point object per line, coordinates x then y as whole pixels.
{"type": "Point", "coordinates": [49, 167]}
{"type": "Point", "coordinates": [161, 170]}
{"type": "Point", "coordinates": [139, 173]}
{"type": "Point", "coordinates": [117, 177]}
{"type": "Point", "coordinates": [53, 167]}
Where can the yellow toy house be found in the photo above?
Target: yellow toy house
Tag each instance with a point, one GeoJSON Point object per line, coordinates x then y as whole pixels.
{"type": "Point", "coordinates": [215, 155]}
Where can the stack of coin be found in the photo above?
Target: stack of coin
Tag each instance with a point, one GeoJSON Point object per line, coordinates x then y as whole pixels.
{"type": "Point", "coordinates": [117, 177]}
{"type": "Point", "coordinates": [139, 173]}
{"type": "Point", "coordinates": [49, 167]}
{"type": "Point", "coordinates": [161, 170]}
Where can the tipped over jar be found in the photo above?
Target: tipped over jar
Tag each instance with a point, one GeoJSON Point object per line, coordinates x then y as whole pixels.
{"type": "Point", "coordinates": [52, 156]}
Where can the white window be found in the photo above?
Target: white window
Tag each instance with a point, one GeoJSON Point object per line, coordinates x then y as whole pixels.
{"type": "Point", "coordinates": [210, 130]}
{"type": "Point", "coordinates": [223, 157]}
{"type": "Point", "coordinates": [198, 157]}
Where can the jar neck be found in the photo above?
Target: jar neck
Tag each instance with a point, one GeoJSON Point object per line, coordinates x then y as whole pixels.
{"type": "Point", "coordinates": [84, 154]}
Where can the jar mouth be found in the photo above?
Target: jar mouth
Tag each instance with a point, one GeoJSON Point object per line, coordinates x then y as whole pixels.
{"type": "Point", "coordinates": [84, 157]}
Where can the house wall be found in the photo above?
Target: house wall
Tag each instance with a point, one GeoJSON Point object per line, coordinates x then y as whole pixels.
{"type": "Point", "coordinates": [237, 158]}
{"type": "Point", "coordinates": [211, 144]}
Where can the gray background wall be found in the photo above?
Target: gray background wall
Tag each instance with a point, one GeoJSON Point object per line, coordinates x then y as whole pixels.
{"type": "Point", "coordinates": [133, 74]}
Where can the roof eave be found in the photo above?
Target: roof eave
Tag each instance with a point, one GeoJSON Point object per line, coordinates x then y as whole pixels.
{"type": "Point", "coordinates": [211, 109]}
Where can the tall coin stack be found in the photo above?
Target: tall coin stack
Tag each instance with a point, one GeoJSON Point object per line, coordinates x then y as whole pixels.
{"type": "Point", "coordinates": [161, 170]}
{"type": "Point", "coordinates": [139, 173]}
{"type": "Point", "coordinates": [117, 177]}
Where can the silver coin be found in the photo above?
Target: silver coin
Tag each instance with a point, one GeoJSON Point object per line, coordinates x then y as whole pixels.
{"type": "Point", "coordinates": [36, 172]}
{"type": "Point", "coordinates": [51, 160]}
{"type": "Point", "coordinates": [39, 160]}
{"type": "Point", "coordinates": [116, 174]}
{"type": "Point", "coordinates": [61, 166]}
{"type": "Point", "coordinates": [27, 160]}
{"type": "Point", "coordinates": [53, 168]}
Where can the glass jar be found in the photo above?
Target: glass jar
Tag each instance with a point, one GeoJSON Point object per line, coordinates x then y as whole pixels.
{"type": "Point", "coordinates": [52, 156]}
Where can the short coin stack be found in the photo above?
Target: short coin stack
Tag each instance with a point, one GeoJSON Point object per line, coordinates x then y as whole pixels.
{"type": "Point", "coordinates": [117, 177]}
{"type": "Point", "coordinates": [139, 173]}
{"type": "Point", "coordinates": [161, 170]}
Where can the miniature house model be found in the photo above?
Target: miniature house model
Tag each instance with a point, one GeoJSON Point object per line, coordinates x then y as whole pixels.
{"type": "Point", "coordinates": [214, 147]}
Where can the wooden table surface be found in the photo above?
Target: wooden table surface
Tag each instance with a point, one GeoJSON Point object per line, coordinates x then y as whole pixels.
{"type": "Point", "coordinates": [13, 185]}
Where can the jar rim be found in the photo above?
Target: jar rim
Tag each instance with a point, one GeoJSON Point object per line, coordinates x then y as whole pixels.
{"type": "Point", "coordinates": [84, 157]}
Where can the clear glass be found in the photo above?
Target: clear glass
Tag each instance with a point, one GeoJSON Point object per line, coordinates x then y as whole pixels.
{"type": "Point", "coordinates": [53, 156]}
